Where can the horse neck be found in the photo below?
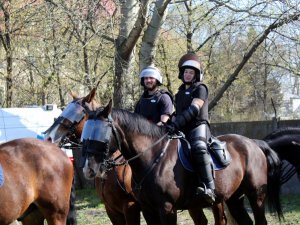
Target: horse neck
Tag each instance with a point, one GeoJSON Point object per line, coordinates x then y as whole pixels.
{"type": "Point", "coordinates": [285, 146]}
{"type": "Point", "coordinates": [144, 147]}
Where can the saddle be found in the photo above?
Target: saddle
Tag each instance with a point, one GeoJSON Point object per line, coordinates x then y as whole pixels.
{"type": "Point", "coordinates": [217, 149]}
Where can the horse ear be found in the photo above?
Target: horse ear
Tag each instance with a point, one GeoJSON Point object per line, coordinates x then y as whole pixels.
{"type": "Point", "coordinates": [90, 96]}
{"type": "Point", "coordinates": [73, 95]}
{"type": "Point", "coordinates": [107, 110]}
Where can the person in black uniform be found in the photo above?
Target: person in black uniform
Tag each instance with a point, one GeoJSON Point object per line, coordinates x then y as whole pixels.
{"type": "Point", "coordinates": [191, 107]}
{"type": "Point", "coordinates": [155, 104]}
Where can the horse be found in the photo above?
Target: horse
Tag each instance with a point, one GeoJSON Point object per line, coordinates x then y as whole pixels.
{"type": "Point", "coordinates": [34, 172]}
{"type": "Point", "coordinates": [160, 182]}
{"type": "Point", "coordinates": [112, 186]}
{"type": "Point", "coordinates": [286, 143]}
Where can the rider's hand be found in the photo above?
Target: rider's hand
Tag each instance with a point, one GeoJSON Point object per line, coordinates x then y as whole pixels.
{"type": "Point", "coordinates": [171, 127]}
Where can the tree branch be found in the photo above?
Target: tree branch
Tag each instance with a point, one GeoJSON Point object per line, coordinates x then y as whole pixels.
{"type": "Point", "coordinates": [247, 56]}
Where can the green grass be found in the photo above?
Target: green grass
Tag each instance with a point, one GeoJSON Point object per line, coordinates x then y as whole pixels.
{"type": "Point", "coordinates": [90, 211]}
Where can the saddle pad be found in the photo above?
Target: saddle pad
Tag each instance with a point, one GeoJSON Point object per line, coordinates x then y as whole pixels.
{"type": "Point", "coordinates": [1, 176]}
{"type": "Point", "coordinates": [185, 158]}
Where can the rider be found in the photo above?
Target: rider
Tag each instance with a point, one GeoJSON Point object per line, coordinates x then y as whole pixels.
{"type": "Point", "coordinates": [155, 104]}
{"type": "Point", "coordinates": [191, 104]}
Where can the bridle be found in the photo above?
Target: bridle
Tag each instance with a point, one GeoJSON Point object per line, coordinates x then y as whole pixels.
{"type": "Point", "coordinates": [71, 116]}
{"type": "Point", "coordinates": [98, 134]}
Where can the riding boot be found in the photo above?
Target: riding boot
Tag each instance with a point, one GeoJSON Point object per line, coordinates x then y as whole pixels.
{"type": "Point", "coordinates": [204, 172]}
{"type": "Point", "coordinates": [206, 184]}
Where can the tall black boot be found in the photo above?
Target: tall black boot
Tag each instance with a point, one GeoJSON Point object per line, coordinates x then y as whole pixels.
{"type": "Point", "coordinates": [204, 172]}
{"type": "Point", "coordinates": [206, 184]}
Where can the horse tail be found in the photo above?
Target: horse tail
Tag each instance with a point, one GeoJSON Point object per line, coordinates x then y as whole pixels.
{"type": "Point", "coordinates": [71, 219]}
{"type": "Point", "coordinates": [274, 178]}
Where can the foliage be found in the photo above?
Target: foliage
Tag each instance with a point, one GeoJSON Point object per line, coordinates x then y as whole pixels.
{"type": "Point", "coordinates": [59, 45]}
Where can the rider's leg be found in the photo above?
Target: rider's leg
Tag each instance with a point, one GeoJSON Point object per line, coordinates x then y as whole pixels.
{"type": "Point", "coordinates": [202, 163]}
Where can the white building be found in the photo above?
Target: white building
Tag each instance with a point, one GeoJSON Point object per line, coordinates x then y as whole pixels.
{"type": "Point", "coordinates": [290, 107]}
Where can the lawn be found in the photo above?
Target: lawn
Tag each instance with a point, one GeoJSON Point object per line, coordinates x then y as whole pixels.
{"type": "Point", "coordinates": [91, 211]}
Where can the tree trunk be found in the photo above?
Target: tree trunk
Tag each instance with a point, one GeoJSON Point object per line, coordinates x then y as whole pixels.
{"type": "Point", "coordinates": [151, 35]}
{"type": "Point", "coordinates": [6, 41]}
{"type": "Point", "coordinates": [133, 21]}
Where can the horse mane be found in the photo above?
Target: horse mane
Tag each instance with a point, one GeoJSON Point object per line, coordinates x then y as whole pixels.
{"type": "Point", "coordinates": [283, 131]}
{"type": "Point", "coordinates": [134, 122]}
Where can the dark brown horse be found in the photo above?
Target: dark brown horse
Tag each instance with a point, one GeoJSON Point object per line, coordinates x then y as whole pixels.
{"type": "Point", "coordinates": [34, 172]}
{"type": "Point", "coordinates": [113, 186]}
{"type": "Point", "coordinates": [286, 142]}
{"type": "Point", "coordinates": [160, 182]}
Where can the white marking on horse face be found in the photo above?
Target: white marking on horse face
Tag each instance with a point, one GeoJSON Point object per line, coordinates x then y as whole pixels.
{"type": "Point", "coordinates": [91, 168]}
{"type": "Point", "coordinates": [55, 135]}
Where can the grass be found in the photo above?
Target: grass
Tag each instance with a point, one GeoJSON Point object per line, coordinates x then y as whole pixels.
{"type": "Point", "coordinates": [90, 211]}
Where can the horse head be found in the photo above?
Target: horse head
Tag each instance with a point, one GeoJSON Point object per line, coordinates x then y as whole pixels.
{"type": "Point", "coordinates": [96, 138]}
{"type": "Point", "coordinates": [71, 120]}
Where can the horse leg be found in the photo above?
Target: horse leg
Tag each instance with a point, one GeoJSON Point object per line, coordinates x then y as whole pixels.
{"type": "Point", "coordinates": [166, 215]}
{"type": "Point", "coordinates": [57, 218]}
{"type": "Point", "coordinates": [115, 217]}
{"type": "Point", "coordinates": [71, 219]}
{"type": "Point", "coordinates": [34, 218]}
{"type": "Point", "coordinates": [55, 208]}
{"type": "Point", "coordinates": [237, 210]}
{"type": "Point", "coordinates": [219, 214]}
{"type": "Point", "coordinates": [151, 218]}
{"type": "Point", "coordinates": [132, 213]}
{"type": "Point", "coordinates": [198, 216]}
{"type": "Point", "coordinates": [258, 208]}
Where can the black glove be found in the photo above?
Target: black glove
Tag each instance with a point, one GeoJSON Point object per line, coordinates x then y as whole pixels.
{"type": "Point", "coordinates": [171, 127]}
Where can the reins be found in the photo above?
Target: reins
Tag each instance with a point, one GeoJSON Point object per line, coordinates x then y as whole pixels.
{"type": "Point", "coordinates": [138, 185]}
{"type": "Point", "coordinates": [141, 153]}
{"type": "Point", "coordinates": [112, 163]}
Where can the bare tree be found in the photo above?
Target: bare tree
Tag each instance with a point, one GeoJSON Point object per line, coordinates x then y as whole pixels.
{"type": "Point", "coordinates": [5, 36]}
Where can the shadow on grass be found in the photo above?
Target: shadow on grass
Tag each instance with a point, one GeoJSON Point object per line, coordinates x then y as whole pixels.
{"type": "Point", "coordinates": [87, 198]}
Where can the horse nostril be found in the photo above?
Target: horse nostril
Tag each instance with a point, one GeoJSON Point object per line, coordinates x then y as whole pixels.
{"type": "Point", "coordinates": [49, 139]}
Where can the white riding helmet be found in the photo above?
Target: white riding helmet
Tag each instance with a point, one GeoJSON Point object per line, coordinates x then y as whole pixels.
{"type": "Point", "coordinates": [151, 71]}
{"type": "Point", "coordinates": [190, 60]}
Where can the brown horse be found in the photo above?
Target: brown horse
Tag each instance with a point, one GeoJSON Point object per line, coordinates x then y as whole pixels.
{"type": "Point", "coordinates": [34, 172]}
{"type": "Point", "coordinates": [113, 186]}
{"type": "Point", "coordinates": [161, 183]}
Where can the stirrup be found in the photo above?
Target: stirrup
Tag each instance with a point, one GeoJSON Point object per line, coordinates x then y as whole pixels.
{"type": "Point", "coordinates": [206, 193]}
